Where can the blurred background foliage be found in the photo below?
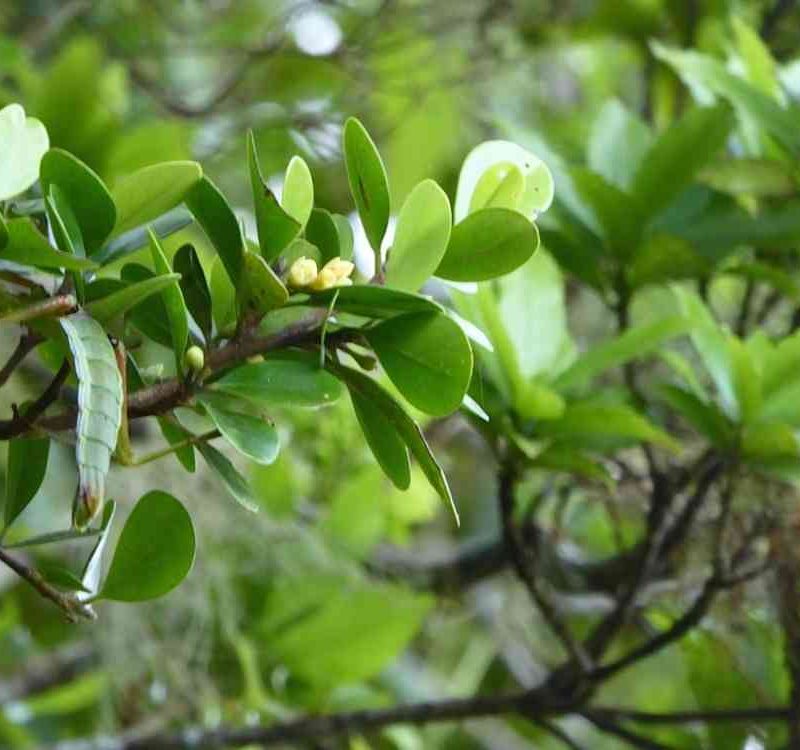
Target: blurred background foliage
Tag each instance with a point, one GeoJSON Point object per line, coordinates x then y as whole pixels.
{"type": "Point", "coordinates": [296, 608]}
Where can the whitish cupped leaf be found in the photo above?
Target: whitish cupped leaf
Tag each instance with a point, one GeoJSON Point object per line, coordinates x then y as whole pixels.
{"type": "Point", "coordinates": [99, 410]}
{"type": "Point", "coordinates": [634, 343]}
{"type": "Point", "coordinates": [297, 198]}
{"type": "Point", "coordinates": [177, 314]}
{"type": "Point", "coordinates": [262, 290]}
{"type": "Point", "coordinates": [372, 301]}
{"type": "Point", "coordinates": [23, 142]}
{"type": "Point", "coordinates": [282, 380]}
{"type": "Point", "coordinates": [618, 141]}
{"type": "Point", "coordinates": [321, 231]}
{"type": "Point", "coordinates": [384, 441]}
{"type": "Point", "coordinates": [365, 387]}
{"type": "Point", "coordinates": [427, 356]}
{"type": "Point", "coordinates": [489, 177]}
{"type": "Point", "coordinates": [120, 301]}
{"type": "Point", "coordinates": [489, 243]}
{"type": "Point", "coordinates": [25, 468]}
{"type": "Point", "coordinates": [276, 228]}
{"type": "Point", "coordinates": [154, 553]}
{"type": "Point", "coordinates": [253, 436]}
{"type": "Point", "coordinates": [214, 214]}
{"type": "Point", "coordinates": [420, 240]}
{"type": "Point", "coordinates": [676, 157]}
{"type": "Point", "coordinates": [235, 484]}
{"type": "Point", "coordinates": [346, 239]}
{"type": "Point", "coordinates": [90, 577]}
{"type": "Point", "coordinates": [194, 287]}
{"type": "Point", "coordinates": [26, 246]}
{"type": "Point", "coordinates": [175, 434]}
{"type": "Point", "coordinates": [368, 181]}
{"type": "Point", "coordinates": [89, 198]}
{"type": "Point", "coordinates": [151, 191]}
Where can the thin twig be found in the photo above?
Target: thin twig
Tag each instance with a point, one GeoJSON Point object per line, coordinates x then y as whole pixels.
{"type": "Point", "coordinates": [26, 344]}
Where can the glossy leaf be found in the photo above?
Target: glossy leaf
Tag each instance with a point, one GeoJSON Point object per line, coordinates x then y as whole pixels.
{"type": "Point", "coordinates": [346, 239]}
{"type": "Point", "coordinates": [177, 314]}
{"type": "Point", "coordinates": [23, 142]}
{"type": "Point", "coordinates": [282, 380]}
{"type": "Point", "coordinates": [365, 387]}
{"type": "Point", "coordinates": [253, 436]}
{"type": "Point", "coordinates": [26, 246]}
{"type": "Point", "coordinates": [427, 356]}
{"type": "Point", "coordinates": [26, 464]}
{"type": "Point", "coordinates": [99, 409]}
{"type": "Point", "coordinates": [223, 297]}
{"type": "Point", "coordinates": [175, 434]}
{"type": "Point", "coordinates": [276, 228]}
{"type": "Point", "coordinates": [154, 553]}
{"type": "Point", "coordinates": [421, 237]}
{"type": "Point", "coordinates": [194, 287]}
{"type": "Point", "coordinates": [151, 191]}
{"type": "Point", "coordinates": [134, 239]}
{"type": "Point", "coordinates": [321, 231]}
{"type": "Point", "coordinates": [372, 301]}
{"type": "Point", "coordinates": [262, 290]}
{"type": "Point", "coordinates": [678, 155]}
{"type": "Point", "coordinates": [119, 302]}
{"type": "Point", "coordinates": [487, 244]}
{"type": "Point", "coordinates": [89, 198]}
{"type": "Point", "coordinates": [235, 484]}
{"type": "Point", "coordinates": [297, 198]}
{"type": "Point", "coordinates": [385, 442]}
{"type": "Point", "coordinates": [220, 224]}
{"type": "Point", "coordinates": [369, 184]}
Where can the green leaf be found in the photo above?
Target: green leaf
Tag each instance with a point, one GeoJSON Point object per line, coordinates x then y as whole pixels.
{"type": "Point", "coordinates": [282, 380]}
{"type": "Point", "coordinates": [177, 314]}
{"type": "Point", "coordinates": [276, 228]}
{"type": "Point", "coordinates": [88, 196]}
{"type": "Point", "coordinates": [384, 441]}
{"type": "Point", "coordinates": [617, 143]}
{"type": "Point", "coordinates": [421, 237]}
{"type": "Point", "coordinates": [297, 198]}
{"type": "Point", "coordinates": [367, 389]}
{"type": "Point", "coordinates": [346, 239]}
{"type": "Point", "coordinates": [751, 104]}
{"type": "Point", "coordinates": [151, 191]}
{"type": "Point", "coordinates": [25, 469]}
{"type": "Point", "coordinates": [262, 290]}
{"type": "Point", "coordinates": [427, 356]}
{"type": "Point", "coordinates": [342, 631]}
{"type": "Point", "coordinates": [677, 155]}
{"type": "Point", "coordinates": [28, 247]}
{"type": "Point", "coordinates": [23, 142]}
{"type": "Point", "coordinates": [3, 233]}
{"type": "Point", "coordinates": [663, 257]}
{"type": "Point", "coordinates": [500, 186]}
{"type": "Point", "coordinates": [634, 343]}
{"type": "Point", "coordinates": [371, 301]}
{"type": "Point", "coordinates": [616, 214]}
{"type": "Point", "coordinates": [135, 239]}
{"type": "Point", "coordinates": [194, 287]}
{"type": "Point", "coordinates": [600, 426]}
{"type": "Point", "coordinates": [220, 224]}
{"type": "Point", "coordinates": [60, 576]}
{"type": "Point", "coordinates": [369, 184]}
{"type": "Point", "coordinates": [253, 436]}
{"type": "Point", "coordinates": [223, 297]}
{"type": "Point", "coordinates": [174, 433]}
{"type": "Point", "coordinates": [762, 178]}
{"type": "Point", "coordinates": [706, 418]}
{"type": "Point", "coordinates": [154, 553]}
{"type": "Point", "coordinates": [487, 244]}
{"type": "Point", "coordinates": [64, 223]}
{"type": "Point", "coordinates": [321, 231]}
{"type": "Point", "coordinates": [235, 484]}
{"type": "Point", "coordinates": [100, 400]}
{"type": "Point", "coordinates": [119, 302]}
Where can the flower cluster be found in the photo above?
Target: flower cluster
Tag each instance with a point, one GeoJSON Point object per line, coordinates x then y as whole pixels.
{"type": "Point", "coordinates": [304, 274]}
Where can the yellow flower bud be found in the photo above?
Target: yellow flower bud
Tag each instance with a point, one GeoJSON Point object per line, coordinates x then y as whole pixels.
{"type": "Point", "coordinates": [341, 268]}
{"type": "Point", "coordinates": [326, 279]}
{"type": "Point", "coordinates": [194, 358]}
{"type": "Point", "coordinates": [303, 272]}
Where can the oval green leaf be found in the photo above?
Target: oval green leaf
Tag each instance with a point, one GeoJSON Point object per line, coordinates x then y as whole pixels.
{"type": "Point", "coordinates": [235, 484]}
{"type": "Point", "coordinates": [384, 441]}
{"type": "Point", "coordinates": [368, 181]}
{"type": "Point", "coordinates": [262, 289]}
{"type": "Point", "coordinates": [28, 247]}
{"type": "Point", "coordinates": [423, 230]}
{"type": "Point", "coordinates": [25, 469]}
{"type": "Point", "coordinates": [489, 243]}
{"type": "Point", "coordinates": [194, 287]}
{"type": "Point", "coordinates": [253, 436]}
{"type": "Point", "coordinates": [372, 301]}
{"type": "Point", "coordinates": [297, 198]}
{"type": "Point", "coordinates": [321, 231]}
{"type": "Point", "coordinates": [89, 198]}
{"type": "Point", "coordinates": [155, 551]}
{"type": "Point", "coordinates": [177, 314]}
{"type": "Point", "coordinates": [428, 357]}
